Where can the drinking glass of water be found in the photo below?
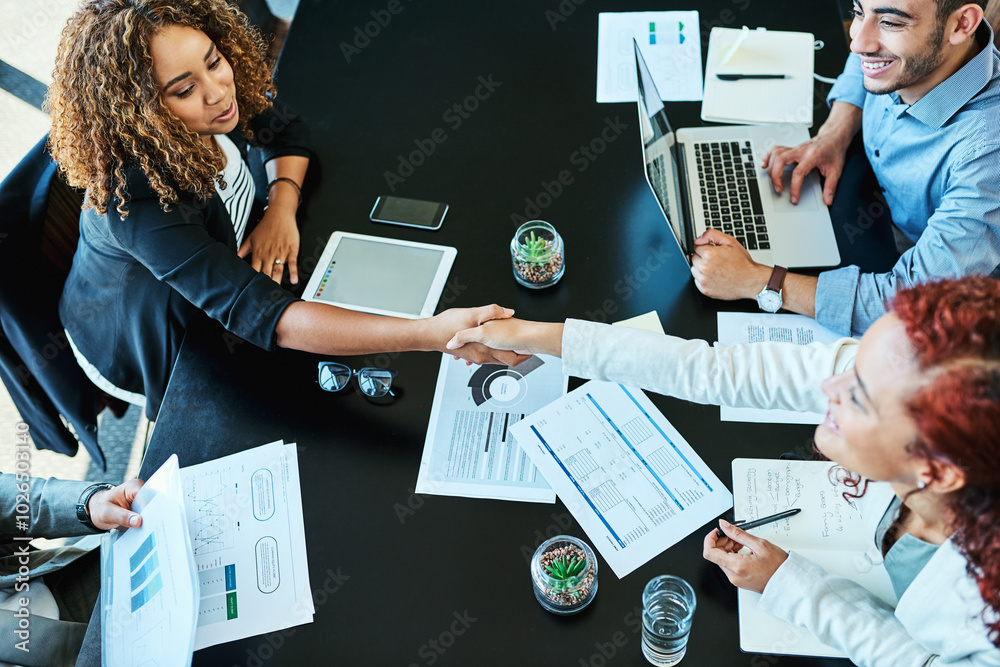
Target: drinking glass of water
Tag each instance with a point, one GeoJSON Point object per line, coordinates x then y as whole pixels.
{"type": "Point", "coordinates": [668, 604]}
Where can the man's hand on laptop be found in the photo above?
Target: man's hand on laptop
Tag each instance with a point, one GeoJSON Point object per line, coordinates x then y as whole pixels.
{"type": "Point", "coordinates": [826, 151]}
{"type": "Point", "coordinates": [723, 269]}
{"type": "Point", "coordinates": [823, 153]}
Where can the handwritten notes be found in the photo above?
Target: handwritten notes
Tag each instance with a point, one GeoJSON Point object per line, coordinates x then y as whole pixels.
{"type": "Point", "coordinates": [832, 530]}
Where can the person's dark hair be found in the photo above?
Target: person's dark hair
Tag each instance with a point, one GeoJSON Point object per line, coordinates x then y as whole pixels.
{"type": "Point", "coordinates": [946, 7]}
{"type": "Point", "coordinates": [107, 111]}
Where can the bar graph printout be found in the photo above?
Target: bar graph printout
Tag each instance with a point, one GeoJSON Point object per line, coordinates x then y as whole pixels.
{"type": "Point", "coordinates": [221, 547]}
{"type": "Point", "coordinates": [628, 477]}
{"type": "Point", "coordinates": [148, 605]}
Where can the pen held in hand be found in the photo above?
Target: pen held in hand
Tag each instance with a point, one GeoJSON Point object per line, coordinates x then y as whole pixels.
{"type": "Point", "coordinates": [738, 77]}
{"type": "Point", "coordinates": [747, 525]}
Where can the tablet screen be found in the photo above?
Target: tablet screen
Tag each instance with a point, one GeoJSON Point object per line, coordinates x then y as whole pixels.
{"type": "Point", "coordinates": [371, 275]}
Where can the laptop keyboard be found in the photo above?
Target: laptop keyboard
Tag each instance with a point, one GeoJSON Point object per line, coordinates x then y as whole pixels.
{"type": "Point", "coordinates": [727, 176]}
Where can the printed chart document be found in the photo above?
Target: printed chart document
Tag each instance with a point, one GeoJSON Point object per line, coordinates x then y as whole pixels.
{"type": "Point", "coordinates": [221, 546]}
{"type": "Point", "coordinates": [245, 518]}
{"type": "Point", "coordinates": [148, 604]}
{"type": "Point", "coordinates": [754, 101]}
{"type": "Point", "coordinates": [627, 476]}
{"type": "Point", "coordinates": [743, 328]}
{"type": "Point", "coordinates": [469, 450]}
{"type": "Point", "coordinates": [830, 531]}
{"type": "Point", "coordinates": [670, 43]}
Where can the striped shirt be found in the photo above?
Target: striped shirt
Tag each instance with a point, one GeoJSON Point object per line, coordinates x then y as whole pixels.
{"type": "Point", "coordinates": [239, 192]}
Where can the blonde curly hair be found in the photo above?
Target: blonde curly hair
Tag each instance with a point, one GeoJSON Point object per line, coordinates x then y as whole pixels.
{"type": "Point", "coordinates": [108, 112]}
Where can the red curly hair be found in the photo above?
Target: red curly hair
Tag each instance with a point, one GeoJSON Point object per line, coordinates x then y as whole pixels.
{"type": "Point", "coordinates": [954, 329]}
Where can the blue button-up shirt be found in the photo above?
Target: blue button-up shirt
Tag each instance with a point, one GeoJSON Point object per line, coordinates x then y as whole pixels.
{"type": "Point", "coordinates": [938, 162]}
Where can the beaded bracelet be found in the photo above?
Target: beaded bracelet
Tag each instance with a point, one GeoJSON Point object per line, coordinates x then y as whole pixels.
{"type": "Point", "coordinates": [284, 178]}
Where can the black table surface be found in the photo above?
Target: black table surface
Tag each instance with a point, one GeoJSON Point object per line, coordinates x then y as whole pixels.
{"type": "Point", "coordinates": [405, 579]}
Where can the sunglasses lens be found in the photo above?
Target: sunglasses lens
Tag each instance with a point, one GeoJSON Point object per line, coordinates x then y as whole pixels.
{"type": "Point", "coordinates": [333, 377]}
{"type": "Point", "coordinates": [375, 382]}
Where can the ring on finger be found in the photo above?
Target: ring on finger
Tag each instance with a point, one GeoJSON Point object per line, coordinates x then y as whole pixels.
{"type": "Point", "coordinates": [279, 262]}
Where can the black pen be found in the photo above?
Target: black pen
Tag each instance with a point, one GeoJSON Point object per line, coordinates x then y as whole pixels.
{"type": "Point", "coordinates": [737, 77]}
{"type": "Point", "coordinates": [746, 525]}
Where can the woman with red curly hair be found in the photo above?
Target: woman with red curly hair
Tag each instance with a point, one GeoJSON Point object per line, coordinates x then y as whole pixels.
{"type": "Point", "coordinates": [916, 404]}
{"type": "Point", "coordinates": [157, 106]}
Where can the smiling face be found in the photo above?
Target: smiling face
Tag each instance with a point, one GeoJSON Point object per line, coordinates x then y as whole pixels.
{"type": "Point", "coordinates": [901, 44]}
{"type": "Point", "coordinates": [195, 80]}
{"type": "Point", "coordinates": [868, 427]}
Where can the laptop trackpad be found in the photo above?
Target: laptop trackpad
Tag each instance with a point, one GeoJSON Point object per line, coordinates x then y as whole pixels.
{"type": "Point", "coordinates": [808, 200]}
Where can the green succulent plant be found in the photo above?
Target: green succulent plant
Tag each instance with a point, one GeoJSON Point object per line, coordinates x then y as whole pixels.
{"type": "Point", "coordinates": [535, 248]}
{"type": "Point", "coordinates": [563, 570]}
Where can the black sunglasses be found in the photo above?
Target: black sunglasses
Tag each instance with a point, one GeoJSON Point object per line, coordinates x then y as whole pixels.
{"type": "Point", "coordinates": [374, 382]}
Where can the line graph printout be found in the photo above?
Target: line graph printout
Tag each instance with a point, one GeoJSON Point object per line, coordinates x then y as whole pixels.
{"type": "Point", "coordinates": [244, 514]}
{"type": "Point", "coordinates": [628, 477]}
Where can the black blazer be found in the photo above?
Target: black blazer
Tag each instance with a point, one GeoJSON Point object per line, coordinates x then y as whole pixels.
{"type": "Point", "coordinates": [36, 364]}
{"type": "Point", "coordinates": [137, 282]}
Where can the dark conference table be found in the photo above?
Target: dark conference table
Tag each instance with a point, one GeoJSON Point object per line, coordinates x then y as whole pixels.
{"type": "Point", "coordinates": [405, 579]}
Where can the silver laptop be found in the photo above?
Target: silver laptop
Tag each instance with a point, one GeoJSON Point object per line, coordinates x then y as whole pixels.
{"type": "Point", "coordinates": [710, 177]}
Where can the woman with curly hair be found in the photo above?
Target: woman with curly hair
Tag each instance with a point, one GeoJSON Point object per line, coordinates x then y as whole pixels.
{"type": "Point", "coordinates": [916, 404]}
{"type": "Point", "coordinates": [155, 105]}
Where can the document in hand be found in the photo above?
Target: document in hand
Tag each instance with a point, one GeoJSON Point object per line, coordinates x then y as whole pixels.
{"type": "Point", "coordinates": [755, 101]}
{"type": "Point", "coordinates": [221, 547]}
{"type": "Point", "coordinates": [829, 531]}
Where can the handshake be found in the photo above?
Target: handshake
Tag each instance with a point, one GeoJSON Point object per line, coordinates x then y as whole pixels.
{"type": "Point", "coordinates": [491, 335]}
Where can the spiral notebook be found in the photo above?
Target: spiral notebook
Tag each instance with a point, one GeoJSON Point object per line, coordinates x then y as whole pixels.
{"type": "Point", "coordinates": [759, 101]}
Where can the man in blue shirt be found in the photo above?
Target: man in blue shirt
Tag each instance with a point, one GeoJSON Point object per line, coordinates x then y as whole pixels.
{"type": "Point", "coordinates": [923, 82]}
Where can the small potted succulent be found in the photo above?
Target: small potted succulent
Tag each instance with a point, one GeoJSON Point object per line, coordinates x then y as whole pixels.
{"type": "Point", "coordinates": [536, 252]}
{"type": "Point", "coordinates": [564, 574]}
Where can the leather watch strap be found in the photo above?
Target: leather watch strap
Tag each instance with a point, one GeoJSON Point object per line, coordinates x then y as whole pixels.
{"type": "Point", "coordinates": [777, 278]}
{"type": "Point", "coordinates": [82, 512]}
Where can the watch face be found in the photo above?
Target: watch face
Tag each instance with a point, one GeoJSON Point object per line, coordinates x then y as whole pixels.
{"type": "Point", "coordinates": [769, 300]}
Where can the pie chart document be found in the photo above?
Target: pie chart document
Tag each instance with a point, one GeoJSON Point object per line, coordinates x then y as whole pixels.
{"type": "Point", "coordinates": [469, 450]}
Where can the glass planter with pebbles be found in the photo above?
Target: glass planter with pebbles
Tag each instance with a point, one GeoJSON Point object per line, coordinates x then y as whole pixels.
{"type": "Point", "coordinates": [536, 252]}
{"type": "Point", "coordinates": [564, 574]}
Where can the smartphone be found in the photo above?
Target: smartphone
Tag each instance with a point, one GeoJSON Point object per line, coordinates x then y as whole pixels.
{"type": "Point", "coordinates": [409, 212]}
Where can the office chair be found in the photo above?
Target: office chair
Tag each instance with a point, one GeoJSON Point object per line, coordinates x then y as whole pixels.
{"type": "Point", "coordinates": [39, 229]}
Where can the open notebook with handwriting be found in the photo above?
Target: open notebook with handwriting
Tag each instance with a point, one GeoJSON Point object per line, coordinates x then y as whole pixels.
{"type": "Point", "coordinates": [829, 531]}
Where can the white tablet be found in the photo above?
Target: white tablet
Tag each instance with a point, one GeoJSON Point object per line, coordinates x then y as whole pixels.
{"type": "Point", "coordinates": [379, 275]}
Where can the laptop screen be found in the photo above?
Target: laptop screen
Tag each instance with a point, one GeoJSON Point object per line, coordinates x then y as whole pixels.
{"type": "Point", "coordinates": [659, 149]}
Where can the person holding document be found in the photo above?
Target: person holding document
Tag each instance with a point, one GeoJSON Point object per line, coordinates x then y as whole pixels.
{"type": "Point", "coordinates": [54, 589]}
{"type": "Point", "coordinates": [916, 403]}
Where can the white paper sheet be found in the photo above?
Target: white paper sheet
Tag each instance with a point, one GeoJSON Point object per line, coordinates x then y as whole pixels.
{"type": "Point", "coordinates": [148, 602]}
{"type": "Point", "coordinates": [743, 328]}
{"type": "Point", "coordinates": [468, 450]}
{"type": "Point", "coordinates": [835, 534]}
{"type": "Point", "coordinates": [670, 44]}
{"type": "Point", "coordinates": [247, 535]}
{"type": "Point", "coordinates": [628, 477]}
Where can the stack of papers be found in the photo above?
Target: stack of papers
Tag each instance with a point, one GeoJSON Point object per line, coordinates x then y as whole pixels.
{"type": "Point", "coordinates": [221, 547]}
